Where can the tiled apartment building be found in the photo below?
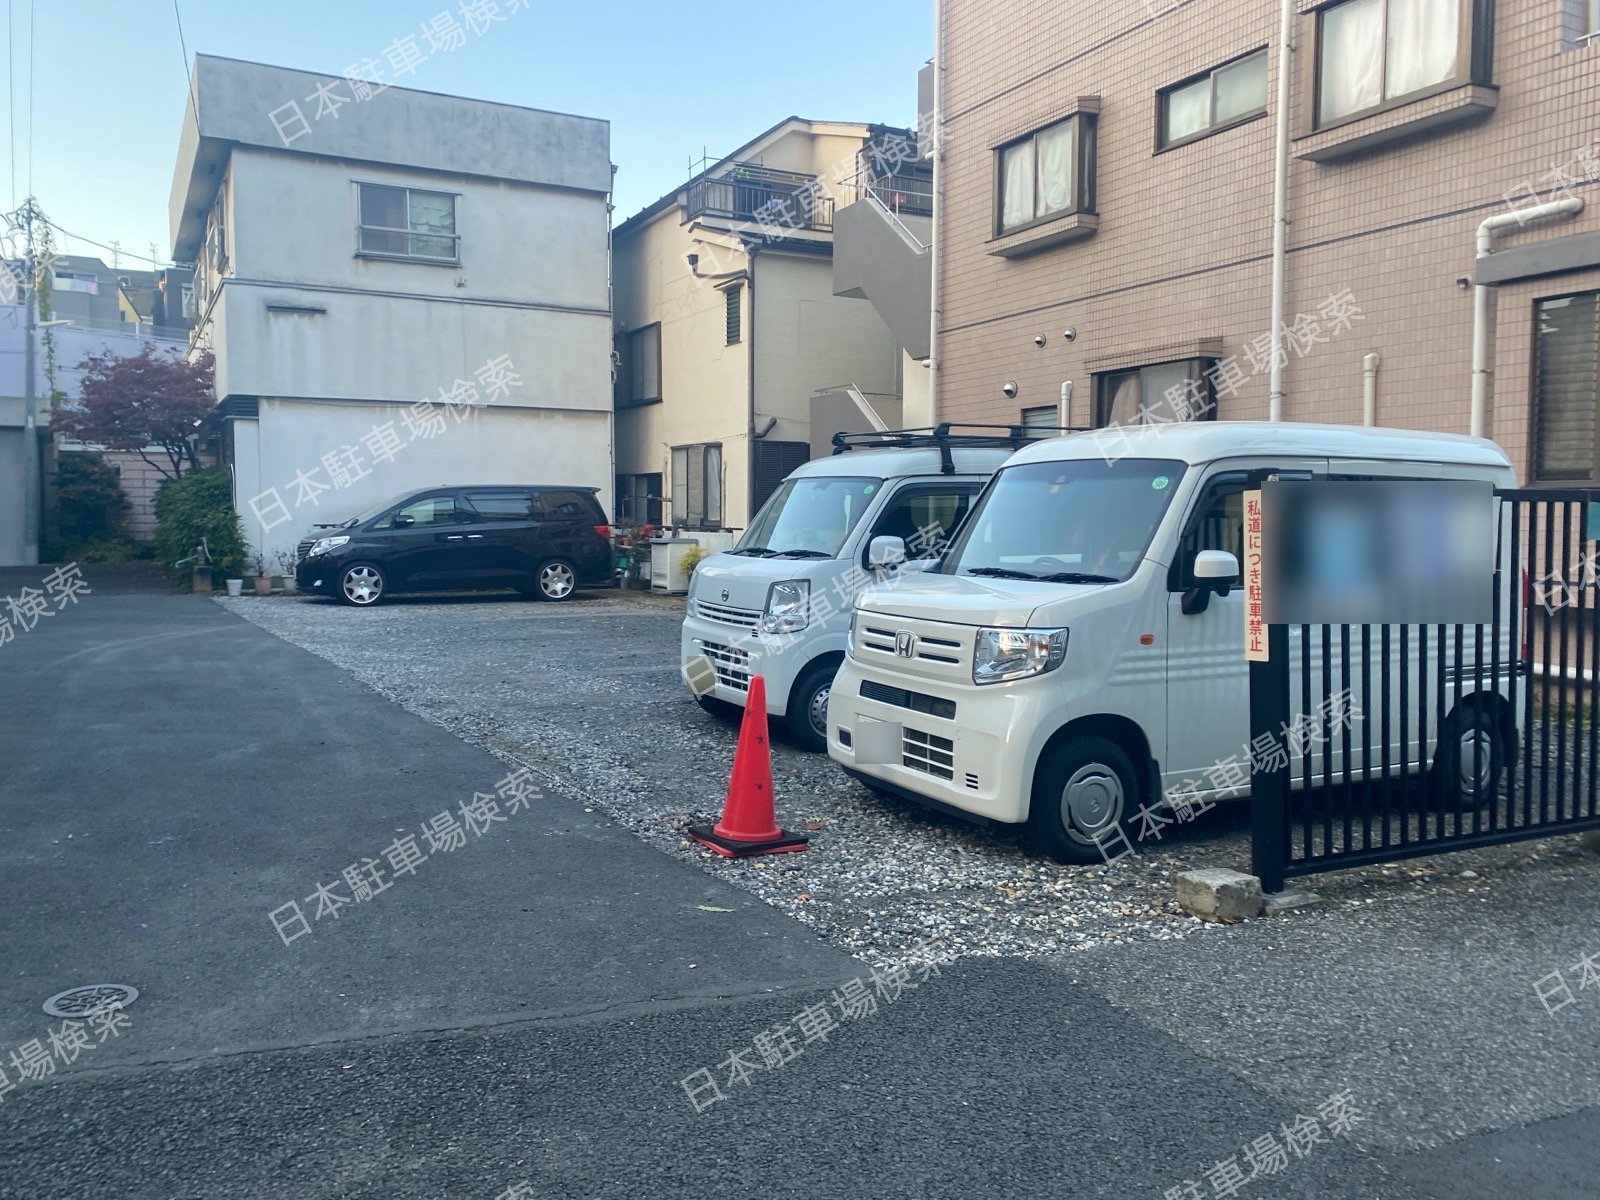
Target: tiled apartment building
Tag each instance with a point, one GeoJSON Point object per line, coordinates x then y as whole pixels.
{"type": "Point", "coordinates": [1108, 170]}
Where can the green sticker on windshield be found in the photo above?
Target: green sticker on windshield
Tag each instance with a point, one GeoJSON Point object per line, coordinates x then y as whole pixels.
{"type": "Point", "coordinates": [1159, 482]}
{"type": "Point", "coordinates": [869, 489]}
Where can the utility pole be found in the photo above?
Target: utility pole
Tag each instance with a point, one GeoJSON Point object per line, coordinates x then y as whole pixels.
{"type": "Point", "coordinates": [24, 216]}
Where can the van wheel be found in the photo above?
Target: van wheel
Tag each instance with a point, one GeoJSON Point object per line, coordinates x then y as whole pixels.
{"type": "Point", "coordinates": [1085, 787]}
{"type": "Point", "coordinates": [1469, 763]}
{"type": "Point", "coordinates": [361, 585]}
{"type": "Point", "coordinates": [807, 717]}
{"type": "Point", "coordinates": [556, 580]}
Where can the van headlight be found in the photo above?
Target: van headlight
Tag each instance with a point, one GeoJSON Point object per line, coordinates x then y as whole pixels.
{"type": "Point", "coordinates": [1005, 654]}
{"type": "Point", "coordinates": [787, 605]}
{"type": "Point", "coordinates": [323, 545]}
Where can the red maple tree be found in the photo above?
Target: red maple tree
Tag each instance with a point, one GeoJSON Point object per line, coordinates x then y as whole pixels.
{"type": "Point", "coordinates": [151, 400]}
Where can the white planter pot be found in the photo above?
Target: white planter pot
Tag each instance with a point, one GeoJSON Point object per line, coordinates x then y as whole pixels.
{"type": "Point", "coordinates": [235, 587]}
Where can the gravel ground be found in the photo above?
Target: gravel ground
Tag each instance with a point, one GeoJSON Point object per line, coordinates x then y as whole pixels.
{"type": "Point", "coordinates": [587, 695]}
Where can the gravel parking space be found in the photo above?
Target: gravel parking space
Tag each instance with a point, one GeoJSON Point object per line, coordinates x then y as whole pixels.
{"type": "Point", "coordinates": [588, 696]}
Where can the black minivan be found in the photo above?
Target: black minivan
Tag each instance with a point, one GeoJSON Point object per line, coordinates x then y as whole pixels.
{"type": "Point", "coordinates": [544, 541]}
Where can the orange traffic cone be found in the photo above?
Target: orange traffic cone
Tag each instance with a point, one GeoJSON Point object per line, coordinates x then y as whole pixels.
{"type": "Point", "coordinates": [749, 825]}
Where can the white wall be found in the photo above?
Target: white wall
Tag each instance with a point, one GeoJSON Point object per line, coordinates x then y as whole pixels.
{"type": "Point", "coordinates": [494, 445]}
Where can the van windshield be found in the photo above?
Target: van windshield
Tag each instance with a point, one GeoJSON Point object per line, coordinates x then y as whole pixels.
{"type": "Point", "coordinates": [808, 517]}
{"type": "Point", "coordinates": [1080, 521]}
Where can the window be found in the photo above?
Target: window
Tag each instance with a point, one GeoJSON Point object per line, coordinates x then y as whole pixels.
{"type": "Point", "coordinates": [639, 377]}
{"type": "Point", "coordinates": [697, 486]}
{"type": "Point", "coordinates": [1039, 420]}
{"type": "Point", "coordinates": [1047, 174]}
{"type": "Point", "coordinates": [188, 302]}
{"type": "Point", "coordinates": [733, 298]}
{"type": "Point", "coordinates": [1156, 395]}
{"type": "Point", "coordinates": [1566, 388]}
{"type": "Point", "coordinates": [1222, 98]}
{"type": "Point", "coordinates": [1217, 523]}
{"type": "Point", "coordinates": [639, 499]}
{"type": "Point", "coordinates": [813, 512]}
{"type": "Point", "coordinates": [568, 506]}
{"type": "Point", "coordinates": [405, 223]}
{"type": "Point", "coordinates": [1370, 52]}
{"type": "Point", "coordinates": [924, 518]}
{"type": "Point", "coordinates": [1591, 22]}
{"type": "Point", "coordinates": [430, 510]}
{"type": "Point", "coordinates": [501, 506]}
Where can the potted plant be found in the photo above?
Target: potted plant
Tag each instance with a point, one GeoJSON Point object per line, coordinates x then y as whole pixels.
{"type": "Point", "coordinates": [261, 581]}
{"type": "Point", "coordinates": [286, 560]}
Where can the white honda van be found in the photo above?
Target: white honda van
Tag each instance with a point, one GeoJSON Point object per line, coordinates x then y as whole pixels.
{"type": "Point", "coordinates": [1079, 650]}
{"type": "Point", "coordinates": [778, 604]}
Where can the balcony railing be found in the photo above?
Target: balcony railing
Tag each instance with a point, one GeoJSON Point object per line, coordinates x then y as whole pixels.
{"type": "Point", "coordinates": [773, 200]}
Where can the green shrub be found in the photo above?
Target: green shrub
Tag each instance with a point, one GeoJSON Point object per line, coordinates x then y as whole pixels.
{"type": "Point", "coordinates": [194, 506]}
{"type": "Point", "coordinates": [91, 511]}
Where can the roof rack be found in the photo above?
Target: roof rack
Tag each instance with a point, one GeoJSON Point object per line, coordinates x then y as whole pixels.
{"type": "Point", "coordinates": [940, 437]}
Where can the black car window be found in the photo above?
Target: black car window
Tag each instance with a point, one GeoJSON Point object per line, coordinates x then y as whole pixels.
{"type": "Point", "coordinates": [501, 506]}
{"type": "Point", "coordinates": [430, 510]}
{"type": "Point", "coordinates": [570, 506]}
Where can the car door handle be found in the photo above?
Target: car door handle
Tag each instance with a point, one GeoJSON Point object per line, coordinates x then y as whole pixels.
{"type": "Point", "coordinates": [474, 537]}
{"type": "Point", "coordinates": [452, 537]}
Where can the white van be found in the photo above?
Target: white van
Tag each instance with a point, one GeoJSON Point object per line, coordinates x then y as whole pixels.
{"type": "Point", "coordinates": [1049, 669]}
{"type": "Point", "coordinates": [778, 604]}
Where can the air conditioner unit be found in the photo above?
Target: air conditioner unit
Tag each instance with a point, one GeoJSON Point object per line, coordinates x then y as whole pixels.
{"type": "Point", "coordinates": [666, 565]}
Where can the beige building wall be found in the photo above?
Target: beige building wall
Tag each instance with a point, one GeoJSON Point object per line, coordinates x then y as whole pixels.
{"type": "Point", "coordinates": [803, 338]}
{"type": "Point", "coordinates": [1181, 257]}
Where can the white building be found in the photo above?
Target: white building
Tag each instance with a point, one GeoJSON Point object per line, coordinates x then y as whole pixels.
{"type": "Point", "coordinates": [401, 247]}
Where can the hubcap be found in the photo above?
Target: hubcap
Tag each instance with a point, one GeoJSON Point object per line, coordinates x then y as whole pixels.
{"type": "Point", "coordinates": [1091, 802]}
{"type": "Point", "coordinates": [362, 585]}
{"type": "Point", "coordinates": [819, 712]}
{"type": "Point", "coordinates": [1476, 762]}
{"type": "Point", "coordinates": [556, 581]}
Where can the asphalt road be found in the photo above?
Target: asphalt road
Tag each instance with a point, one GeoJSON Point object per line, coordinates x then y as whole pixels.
{"type": "Point", "coordinates": [524, 1007]}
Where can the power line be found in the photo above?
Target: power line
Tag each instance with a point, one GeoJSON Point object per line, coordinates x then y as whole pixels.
{"type": "Point", "coordinates": [184, 47]}
{"type": "Point", "coordinates": [78, 237]}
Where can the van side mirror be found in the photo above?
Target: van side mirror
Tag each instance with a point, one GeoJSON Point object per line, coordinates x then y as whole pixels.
{"type": "Point", "coordinates": [1214, 571]}
{"type": "Point", "coordinates": [886, 553]}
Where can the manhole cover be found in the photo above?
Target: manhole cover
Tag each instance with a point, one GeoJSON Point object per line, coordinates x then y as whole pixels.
{"type": "Point", "coordinates": [91, 1001]}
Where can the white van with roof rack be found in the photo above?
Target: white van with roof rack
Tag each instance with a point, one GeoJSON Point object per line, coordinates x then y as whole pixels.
{"type": "Point", "coordinates": [778, 604]}
{"type": "Point", "coordinates": [1079, 652]}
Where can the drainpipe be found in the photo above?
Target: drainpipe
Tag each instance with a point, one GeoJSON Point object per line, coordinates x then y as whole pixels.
{"type": "Point", "coordinates": [1280, 208]}
{"type": "Point", "coordinates": [1483, 298]}
{"type": "Point", "coordinates": [1369, 390]}
{"type": "Point", "coordinates": [938, 206]}
{"type": "Point", "coordinates": [750, 389]}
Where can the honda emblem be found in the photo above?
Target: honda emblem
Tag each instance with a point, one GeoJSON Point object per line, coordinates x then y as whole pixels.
{"type": "Point", "coordinates": [905, 643]}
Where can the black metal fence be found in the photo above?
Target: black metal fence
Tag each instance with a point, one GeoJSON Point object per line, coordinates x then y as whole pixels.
{"type": "Point", "coordinates": [1372, 743]}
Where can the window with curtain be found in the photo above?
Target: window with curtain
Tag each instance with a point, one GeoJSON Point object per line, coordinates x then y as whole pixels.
{"type": "Point", "coordinates": [1048, 174]}
{"type": "Point", "coordinates": [697, 486]}
{"type": "Point", "coordinates": [1370, 52]}
{"type": "Point", "coordinates": [1232, 93]}
{"type": "Point", "coordinates": [1160, 394]}
{"type": "Point", "coordinates": [1566, 388]}
{"type": "Point", "coordinates": [406, 223]}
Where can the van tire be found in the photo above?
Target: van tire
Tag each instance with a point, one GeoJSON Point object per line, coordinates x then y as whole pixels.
{"type": "Point", "coordinates": [1450, 785]}
{"type": "Point", "coordinates": [1084, 786]}
{"type": "Point", "coordinates": [807, 715]}
{"type": "Point", "coordinates": [361, 584]}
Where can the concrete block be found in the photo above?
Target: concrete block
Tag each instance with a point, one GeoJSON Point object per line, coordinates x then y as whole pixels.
{"type": "Point", "coordinates": [1218, 894]}
{"type": "Point", "coordinates": [1589, 839]}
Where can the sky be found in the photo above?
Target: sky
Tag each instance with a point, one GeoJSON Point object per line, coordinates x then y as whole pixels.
{"type": "Point", "coordinates": [111, 82]}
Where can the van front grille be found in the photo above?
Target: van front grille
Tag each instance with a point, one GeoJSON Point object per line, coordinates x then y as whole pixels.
{"type": "Point", "coordinates": [928, 753]}
{"type": "Point", "coordinates": [904, 698]}
{"type": "Point", "coordinates": [731, 664]}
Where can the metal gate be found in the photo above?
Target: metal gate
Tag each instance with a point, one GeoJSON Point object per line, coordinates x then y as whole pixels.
{"type": "Point", "coordinates": [1372, 743]}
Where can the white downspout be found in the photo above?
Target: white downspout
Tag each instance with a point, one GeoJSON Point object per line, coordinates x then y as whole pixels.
{"type": "Point", "coordinates": [1369, 390]}
{"type": "Point", "coordinates": [938, 208]}
{"type": "Point", "coordinates": [1280, 207]}
{"type": "Point", "coordinates": [1483, 298]}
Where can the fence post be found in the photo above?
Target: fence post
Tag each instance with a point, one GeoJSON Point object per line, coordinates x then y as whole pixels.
{"type": "Point", "coordinates": [1269, 787]}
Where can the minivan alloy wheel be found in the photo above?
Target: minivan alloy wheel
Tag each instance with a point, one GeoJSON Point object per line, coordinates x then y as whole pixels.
{"type": "Point", "coordinates": [557, 580]}
{"type": "Point", "coordinates": [361, 585]}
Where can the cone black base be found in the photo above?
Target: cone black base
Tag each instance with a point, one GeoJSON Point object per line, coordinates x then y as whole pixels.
{"type": "Point", "coordinates": [784, 843]}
